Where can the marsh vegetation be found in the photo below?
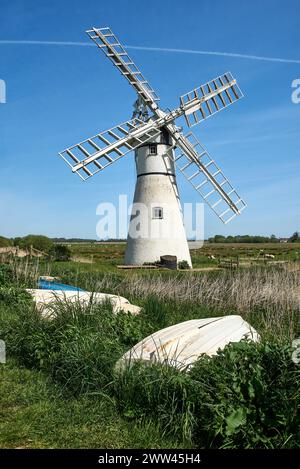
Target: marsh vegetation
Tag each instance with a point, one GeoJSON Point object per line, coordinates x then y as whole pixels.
{"type": "Point", "coordinates": [60, 389]}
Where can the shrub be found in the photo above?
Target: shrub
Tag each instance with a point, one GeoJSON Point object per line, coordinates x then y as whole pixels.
{"type": "Point", "coordinates": [6, 275]}
{"type": "Point", "coordinates": [60, 252]}
{"type": "Point", "coordinates": [182, 265]}
{"type": "Point", "coordinates": [79, 347]}
{"type": "Point", "coordinates": [5, 242]}
{"type": "Point", "coordinates": [39, 242]}
{"type": "Point", "coordinates": [245, 397]}
{"type": "Point", "coordinates": [14, 296]}
{"type": "Point", "coordinates": [250, 397]}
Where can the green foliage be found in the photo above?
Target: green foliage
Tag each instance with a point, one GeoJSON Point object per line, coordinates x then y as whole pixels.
{"type": "Point", "coordinates": [14, 296]}
{"type": "Point", "coordinates": [183, 265]}
{"type": "Point", "coordinates": [295, 238]}
{"type": "Point", "coordinates": [78, 347]}
{"type": "Point", "coordinates": [159, 393]}
{"type": "Point", "coordinates": [88, 344]}
{"type": "Point", "coordinates": [36, 414]}
{"type": "Point", "coordinates": [257, 396]}
{"type": "Point", "coordinates": [158, 314]}
{"type": "Point", "coordinates": [5, 242]}
{"type": "Point", "coordinates": [39, 242]}
{"type": "Point", "coordinates": [243, 239]}
{"type": "Point", "coordinates": [6, 275]}
{"type": "Point", "coordinates": [246, 397]}
{"type": "Point", "coordinates": [60, 252]}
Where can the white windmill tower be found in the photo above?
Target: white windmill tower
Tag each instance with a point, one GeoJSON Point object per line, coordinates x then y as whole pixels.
{"type": "Point", "coordinates": [156, 225]}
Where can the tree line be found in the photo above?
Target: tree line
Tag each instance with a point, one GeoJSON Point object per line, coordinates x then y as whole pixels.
{"type": "Point", "coordinates": [52, 246]}
{"type": "Point", "coordinates": [41, 243]}
{"type": "Point", "coordinates": [295, 238]}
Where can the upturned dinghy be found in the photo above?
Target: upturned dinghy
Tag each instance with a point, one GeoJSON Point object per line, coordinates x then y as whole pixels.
{"type": "Point", "coordinates": [181, 345]}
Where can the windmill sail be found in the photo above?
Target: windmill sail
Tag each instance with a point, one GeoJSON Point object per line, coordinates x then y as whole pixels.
{"type": "Point", "coordinates": [113, 49]}
{"type": "Point", "coordinates": [208, 99]}
{"type": "Point", "coordinates": [206, 177]}
{"type": "Point", "coordinates": [96, 153]}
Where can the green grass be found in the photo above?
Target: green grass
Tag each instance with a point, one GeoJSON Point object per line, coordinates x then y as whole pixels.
{"type": "Point", "coordinates": [60, 388]}
{"type": "Point", "coordinates": [105, 257]}
{"type": "Point", "coordinates": [109, 255]}
{"type": "Point", "coordinates": [36, 414]}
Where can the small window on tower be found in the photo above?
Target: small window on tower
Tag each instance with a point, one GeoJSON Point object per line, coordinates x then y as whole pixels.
{"type": "Point", "coordinates": [152, 149]}
{"type": "Point", "coordinates": [157, 213]}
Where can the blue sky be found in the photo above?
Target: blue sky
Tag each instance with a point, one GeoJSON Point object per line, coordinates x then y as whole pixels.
{"type": "Point", "coordinates": [58, 95]}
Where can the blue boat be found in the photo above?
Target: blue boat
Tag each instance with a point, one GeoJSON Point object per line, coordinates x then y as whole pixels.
{"type": "Point", "coordinates": [47, 285]}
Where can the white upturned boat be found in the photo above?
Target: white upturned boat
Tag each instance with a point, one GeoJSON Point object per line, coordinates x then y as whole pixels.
{"type": "Point", "coordinates": [45, 300]}
{"type": "Point", "coordinates": [182, 344]}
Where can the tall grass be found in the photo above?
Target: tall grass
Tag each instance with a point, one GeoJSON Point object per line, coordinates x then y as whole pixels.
{"type": "Point", "coordinates": [268, 296]}
{"type": "Point", "coordinates": [242, 290]}
{"type": "Point", "coordinates": [247, 396]}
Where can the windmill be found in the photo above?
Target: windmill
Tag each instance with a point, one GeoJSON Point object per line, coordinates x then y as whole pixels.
{"type": "Point", "coordinates": [156, 225]}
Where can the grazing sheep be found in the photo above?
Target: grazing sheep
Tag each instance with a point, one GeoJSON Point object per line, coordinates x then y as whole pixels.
{"type": "Point", "coordinates": [211, 256]}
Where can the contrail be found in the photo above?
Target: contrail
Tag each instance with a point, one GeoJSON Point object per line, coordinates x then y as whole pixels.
{"type": "Point", "coordinates": [158, 49]}
{"type": "Point", "coordinates": [45, 43]}
{"type": "Point", "coordinates": [225, 54]}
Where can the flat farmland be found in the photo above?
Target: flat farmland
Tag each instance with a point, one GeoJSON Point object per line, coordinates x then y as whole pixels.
{"type": "Point", "coordinates": [108, 255]}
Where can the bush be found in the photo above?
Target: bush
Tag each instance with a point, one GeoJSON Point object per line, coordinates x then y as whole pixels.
{"type": "Point", "coordinates": [39, 242]}
{"type": "Point", "coordinates": [79, 347]}
{"type": "Point", "coordinates": [183, 265]}
{"type": "Point", "coordinates": [295, 238]}
{"type": "Point", "coordinates": [60, 252]}
{"type": "Point", "coordinates": [27, 335]}
{"type": "Point", "coordinates": [246, 397]}
{"type": "Point", "coordinates": [250, 397]}
{"type": "Point", "coordinates": [14, 296]}
{"type": "Point", "coordinates": [5, 242]}
{"type": "Point", "coordinates": [6, 275]}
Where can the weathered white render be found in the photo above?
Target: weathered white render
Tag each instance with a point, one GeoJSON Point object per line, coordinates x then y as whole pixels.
{"type": "Point", "coordinates": [156, 225]}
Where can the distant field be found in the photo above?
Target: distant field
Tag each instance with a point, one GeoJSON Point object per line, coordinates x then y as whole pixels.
{"type": "Point", "coordinates": [108, 255]}
{"type": "Point", "coordinates": [247, 251]}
